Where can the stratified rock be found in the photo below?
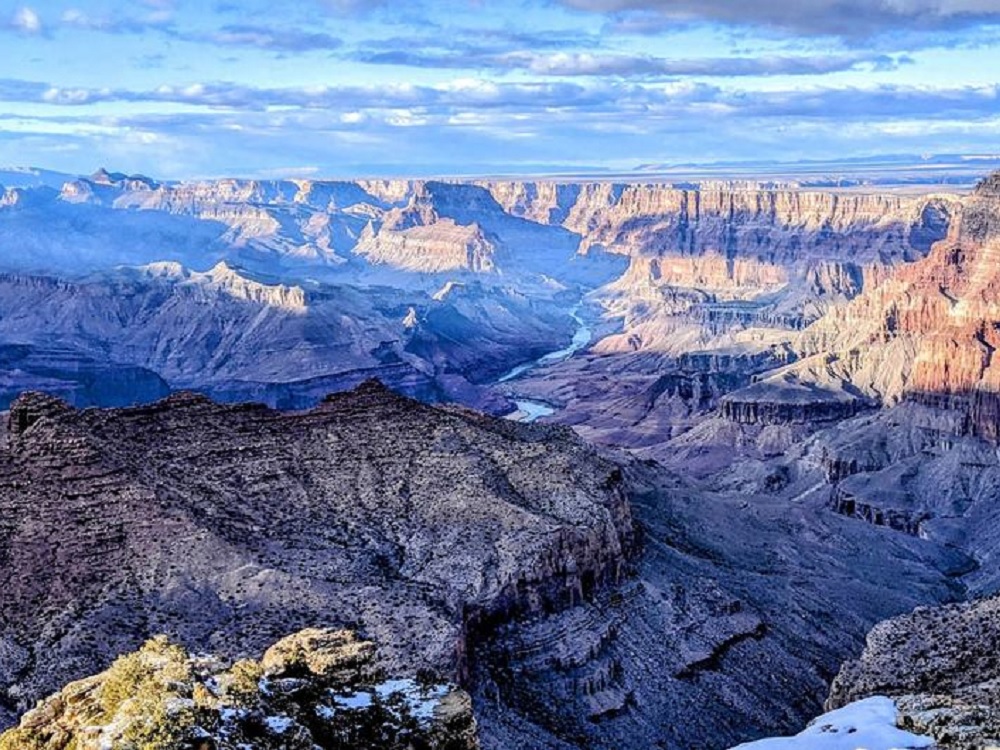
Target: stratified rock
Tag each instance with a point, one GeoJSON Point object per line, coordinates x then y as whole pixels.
{"type": "Point", "coordinates": [927, 332]}
{"type": "Point", "coordinates": [735, 218]}
{"type": "Point", "coordinates": [789, 402]}
{"type": "Point", "coordinates": [80, 377]}
{"type": "Point", "coordinates": [454, 227]}
{"type": "Point", "coordinates": [228, 526]}
{"type": "Point", "coordinates": [30, 409]}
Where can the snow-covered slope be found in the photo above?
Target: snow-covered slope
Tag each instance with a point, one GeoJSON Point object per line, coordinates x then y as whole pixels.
{"type": "Point", "coordinates": [865, 725]}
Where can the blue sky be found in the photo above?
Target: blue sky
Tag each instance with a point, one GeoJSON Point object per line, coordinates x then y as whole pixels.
{"type": "Point", "coordinates": [197, 88]}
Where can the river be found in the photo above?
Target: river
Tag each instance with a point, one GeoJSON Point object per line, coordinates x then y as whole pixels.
{"type": "Point", "coordinates": [528, 410]}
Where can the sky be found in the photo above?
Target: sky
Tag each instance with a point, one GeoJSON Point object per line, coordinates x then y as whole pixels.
{"type": "Point", "coordinates": [339, 88]}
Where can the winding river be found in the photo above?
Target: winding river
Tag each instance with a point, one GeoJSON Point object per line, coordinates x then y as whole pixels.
{"type": "Point", "coordinates": [528, 410]}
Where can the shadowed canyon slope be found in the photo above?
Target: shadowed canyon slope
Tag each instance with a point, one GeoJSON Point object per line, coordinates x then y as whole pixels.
{"type": "Point", "coordinates": [229, 526]}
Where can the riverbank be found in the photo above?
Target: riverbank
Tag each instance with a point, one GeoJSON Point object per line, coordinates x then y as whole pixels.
{"type": "Point", "coordinates": [529, 410]}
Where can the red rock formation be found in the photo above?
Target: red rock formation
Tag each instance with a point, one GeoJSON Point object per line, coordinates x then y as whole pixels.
{"type": "Point", "coordinates": [929, 330]}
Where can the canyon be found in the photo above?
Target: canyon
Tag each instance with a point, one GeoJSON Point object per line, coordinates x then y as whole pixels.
{"type": "Point", "coordinates": [578, 599]}
{"type": "Point", "coordinates": [745, 423]}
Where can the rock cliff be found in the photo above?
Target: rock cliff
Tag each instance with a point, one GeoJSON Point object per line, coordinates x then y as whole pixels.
{"type": "Point", "coordinates": [225, 527]}
{"type": "Point", "coordinates": [735, 219]}
{"type": "Point", "coordinates": [941, 666]}
{"type": "Point", "coordinates": [927, 331]}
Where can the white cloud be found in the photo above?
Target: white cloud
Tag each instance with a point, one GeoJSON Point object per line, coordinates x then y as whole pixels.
{"type": "Point", "coordinates": [27, 21]}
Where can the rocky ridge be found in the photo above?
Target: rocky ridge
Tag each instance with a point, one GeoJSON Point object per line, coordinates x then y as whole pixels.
{"type": "Point", "coordinates": [437, 526]}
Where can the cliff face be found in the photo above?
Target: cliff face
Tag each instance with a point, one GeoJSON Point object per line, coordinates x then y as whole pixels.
{"type": "Point", "coordinates": [927, 332]}
{"type": "Point", "coordinates": [321, 222]}
{"type": "Point", "coordinates": [735, 219]}
{"type": "Point", "coordinates": [80, 377]}
{"type": "Point", "coordinates": [415, 522]}
{"type": "Point", "coordinates": [445, 246]}
{"type": "Point", "coordinates": [435, 231]}
{"type": "Point", "coordinates": [461, 227]}
{"type": "Point", "coordinates": [542, 202]}
{"type": "Point", "coordinates": [791, 403]}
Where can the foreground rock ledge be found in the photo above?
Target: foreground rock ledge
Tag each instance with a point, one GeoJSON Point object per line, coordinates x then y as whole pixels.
{"type": "Point", "coordinates": [314, 690]}
{"type": "Point", "coordinates": [942, 667]}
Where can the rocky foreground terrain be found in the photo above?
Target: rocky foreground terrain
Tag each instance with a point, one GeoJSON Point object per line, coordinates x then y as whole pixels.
{"type": "Point", "coordinates": [313, 689]}
{"type": "Point", "coordinates": [941, 666]}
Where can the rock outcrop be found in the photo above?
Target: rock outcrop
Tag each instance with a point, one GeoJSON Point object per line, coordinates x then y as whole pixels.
{"type": "Point", "coordinates": [790, 402]}
{"type": "Point", "coordinates": [942, 667]}
{"type": "Point", "coordinates": [313, 690]}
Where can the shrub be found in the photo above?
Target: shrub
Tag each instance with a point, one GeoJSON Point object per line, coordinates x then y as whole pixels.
{"type": "Point", "coordinates": [243, 687]}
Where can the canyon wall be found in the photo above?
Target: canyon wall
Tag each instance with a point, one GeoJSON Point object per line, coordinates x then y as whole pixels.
{"type": "Point", "coordinates": [928, 330]}
{"type": "Point", "coordinates": [736, 219]}
{"type": "Point", "coordinates": [225, 527]}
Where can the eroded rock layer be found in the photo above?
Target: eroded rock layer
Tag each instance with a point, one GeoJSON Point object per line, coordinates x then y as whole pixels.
{"type": "Point", "coordinates": [226, 527]}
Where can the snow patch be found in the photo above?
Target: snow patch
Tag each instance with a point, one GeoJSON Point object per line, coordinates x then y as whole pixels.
{"type": "Point", "coordinates": [420, 700]}
{"type": "Point", "coordinates": [869, 724]}
{"type": "Point", "coordinates": [441, 294]}
{"type": "Point", "coordinates": [279, 724]}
